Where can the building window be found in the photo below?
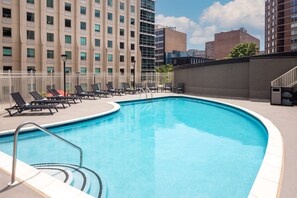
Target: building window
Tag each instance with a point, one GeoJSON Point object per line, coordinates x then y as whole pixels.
{"type": "Point", "coordinates": [97, 1]}
{"type": "Point", "coordinates": [109, 70]}
{"type": "Point", "coordinates": [30, 16]}
{"type": "Point", "coordinates": [50, 54]}
{"type": "Point", "coordinates": [109, 16]}
{"type": "Point", "coordinates": [6, 13]}
{"type": "Point", "coordinates": [50, 37]}
{"type": "Point", "coordinates": [83, 70]}
{"type": "Point", "coordinates": [122, 19]}
{"type": "Point", "coordinates": [122, 45]}
{"type": "Point", "coordinates": [97, 70]}
{"type": "Point", "coordinates": [68, 7]}
{"type": "Point", "coordinates": [30, 1]}
{"type": "Point", "coordinates": [132, 8]}
{"type": "Point", "coordinates": [83, 10]}
{"type": "Point", "coordinates": [7, 68]}
{"type": "Point", "coordinates": [97, 57]}
{"type": "Point", "coordinates": [50, 69]}
{"type": "Point", "coordinates": [83, 56]}
{"type": "Point", "coordinates": [122, 6]}
{"type": "Point", "coordinates": [67, 23]}
{"type": "Point", "coordinates": [109, 3]}
{"type": "Point", "coordinates": [109, 30]}
{"type": "Point", "coordinates": [67, 39]}
{"type": "Point", "coordinates": [69, 55]}
{"type": "Point", "coordinates": [97, 13]}
{"type": "Point", "coordinates": [122, 58]}
{"type": "Point", "coordinates": [97, 42]}
{"type": "Point", "coordinates": [50, 3]}
{"type": "Point", "coordinates": [132, 46]}
{"type": "Point", "coordinates": [132, 21]}
{"type": "Point", "coordinates": [49, 20]}
{"type": "Point", "coordinates": [30, 69]}
{"type": "Point", "coordinates": [132, 34]}
{"type": "Point", "coordinates": [83, 41]}
{"type": "Point", "coordinates": [30, 53]}
{"type": "Point", "coordinates": [110, 58]}
{"type": "Point", "coordinates": [6, 32]}
{"type": "Point", "coordinates": [97, 28]}
{"type": "Point", "coordinates": [83, 25]}
{"type": "Point", "coordinates": [122, 32]}
{"type": "Point", "coordinates": [30, 35]}
{"type": "Point", "coordinates": [109, 44]}
{"type": "Point", "coordinates": [7, 51]}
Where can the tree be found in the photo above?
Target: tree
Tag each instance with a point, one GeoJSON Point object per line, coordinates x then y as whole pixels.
{"type": "Point", "coordinates": [243, 50]}
{"type": "Point", "coordinates": [164, 73]}
{"type": "Point", "coordinates": [164, 68]}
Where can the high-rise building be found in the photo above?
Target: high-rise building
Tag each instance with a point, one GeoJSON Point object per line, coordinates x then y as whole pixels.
{"type": "Point", "coordinates": [280, 26]}
{"type": "Point", "coordinates": [210, 49]}
{"type": "Point", "coordinates": [97, 36]}
{"type": "Point", "coordinates": [168, 40]}
{"type": "Point", "coordinates": [147, 35]}
{"type": "Point", "coordinates": [225, 41]}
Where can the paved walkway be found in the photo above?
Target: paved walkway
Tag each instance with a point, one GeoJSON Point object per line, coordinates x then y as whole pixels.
{"type": "Point", "coordinates": [283, 117]}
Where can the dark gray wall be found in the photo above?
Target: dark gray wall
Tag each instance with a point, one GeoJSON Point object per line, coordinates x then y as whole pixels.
{"type": "Point", "coordinates": [247, 78]}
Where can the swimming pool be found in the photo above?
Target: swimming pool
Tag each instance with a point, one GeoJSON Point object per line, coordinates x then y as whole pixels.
{"type": "Point", "coordinates": [172, 147]}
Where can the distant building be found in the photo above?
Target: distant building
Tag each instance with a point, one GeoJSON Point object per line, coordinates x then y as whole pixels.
{"type": "Point", "coordinates": [197, 53]}
{"type": "Point", "coordinates": [210, 49]}
{"type": "Point", "coordinates": [225, 41]}
{"type": "Point", "coordinates": [168, 40]}
{"type": "Point", "coordinates": [280, 26]}
{"type": "Point", "coordinates": [181, 58]}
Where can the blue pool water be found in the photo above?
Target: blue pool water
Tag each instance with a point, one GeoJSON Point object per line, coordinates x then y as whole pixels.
{"type": "Point", "coordinates": [172, 147]}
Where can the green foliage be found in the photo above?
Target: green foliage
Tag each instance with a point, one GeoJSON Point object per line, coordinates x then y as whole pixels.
{"type": "Point", "coordinates": [244, 50]}
{"type": "Point", "coordinates": [164, 68]}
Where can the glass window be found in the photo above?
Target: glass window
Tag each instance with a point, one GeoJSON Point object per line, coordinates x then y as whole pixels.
{"type": "Point", "coordinates": [122, 6]}
{"type": "Point", "coordinates": [97, 13]}
{"type": "Point", "coordinates": [122, 58]}
{"type": "Point", "coordinates": [50, 3]}
{"type": "Point", "coordinates": [83, 25]}
{"type": "Point", "coordinates": [97, 42]}
{"type": "Point", "coordinates": [68, 69]}
{"type": "Point", "coordinates": [122, 19]}
{"type": "Point", "coordinates": [83, 10]}
{"type": "Point", "coordinates": [132, 8]}
{"type": "Point", "coordinates": [97, 28]}
{"type": "Point", "coordinates": [122, 32]}
{"type": "Point", "coordinates": [50, 69]}
{"type": "Point", "coordinates": [97, 70]}
{"type": "Point", "coordinates": [30, 16]}
{"type": "Point", "coordinates": [6, 32]}
{"type": "Point", "coordinates": [122, 45]}
{"type": "Point", "coordinates": [30, 1]}
{"type": "Point", "coordinates": [132, 34]}
{"type": "Point", "coordinates": [109, 70]}
{"type": "Point", "coordinates": [68, 39]}
{"type": "Point", "coordinates": [83, 70]}
{"type": "Point", "coordinates": [83, 56]}
{"type": "Point", "coordinates": [110, 58]}
{"type": "Point", "coordinates": [50, 54]}
{"type": "Point", "coordinates": [69, 55]}
{"type": "Point", "coordinates": [109, 16]}
{"type": "Point", "coordinates": [30, 52]}
{"type": "Point", "coordinates": [67, 23]}
{"type": "Point", "coordinates": [132, 21]}
{"type": "Point", "coordinates": [7, 51]}
{"type": "Point", "coordinates": [109, 44]}
{"type": "Point", "coordinates": [97, 57]}
{"type": "Point", "coordinates": [6, 13]}
{"type": "Point", "coordinates": [83, 41]}
{"type": "Point", "coordinates": [109, 30]}
{"type": "Point", "coordinates": [109, 3]}
{"type": "Point", "coordinates": [97, 1]}
{"type": "Point", "coordinates": [50, 20]}
{"type": "Point", "coordinates": [132, 46]}
{"type": "Point", "coordinates": [50, 37]}
{"type": "Point", "coordinates": [68, 7]}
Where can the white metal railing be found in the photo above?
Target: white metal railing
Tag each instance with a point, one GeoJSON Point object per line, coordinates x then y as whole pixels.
{"type": "Point", "coordinates": [288, 79]}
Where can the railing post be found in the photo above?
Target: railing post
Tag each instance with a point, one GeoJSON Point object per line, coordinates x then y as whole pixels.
{"type": "Point", "coordinates": [10, 86]}
{"type": "Point", "coordinates": [31, 75]}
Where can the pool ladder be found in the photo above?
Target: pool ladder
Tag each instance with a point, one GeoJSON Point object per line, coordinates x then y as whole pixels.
{"type": "Point", "coordinates": [146, 90]}
{"type": "Point", "coordinates": [15, 143]}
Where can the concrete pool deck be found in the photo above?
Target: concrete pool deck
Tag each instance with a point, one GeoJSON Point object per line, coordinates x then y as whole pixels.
{"type": "Point", "coordinates": [284, 118]}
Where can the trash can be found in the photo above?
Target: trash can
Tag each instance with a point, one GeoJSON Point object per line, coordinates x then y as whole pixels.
{"type": "Point", "coordinates": [276, 95]}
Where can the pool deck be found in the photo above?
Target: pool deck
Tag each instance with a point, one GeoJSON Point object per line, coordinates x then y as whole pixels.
{"type": "Point", "coordinates": [284, 118]}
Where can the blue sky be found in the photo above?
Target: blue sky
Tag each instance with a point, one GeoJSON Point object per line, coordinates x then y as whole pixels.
{"type": "Point", "coordinates": [200, 19]}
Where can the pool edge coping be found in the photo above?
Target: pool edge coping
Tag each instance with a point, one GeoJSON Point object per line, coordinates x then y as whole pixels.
{"type": "Point", "coordinates": [268, 180]}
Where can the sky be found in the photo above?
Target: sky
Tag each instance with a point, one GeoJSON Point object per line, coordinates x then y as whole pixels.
{"type": "Point", "coordinates": [201, 19]}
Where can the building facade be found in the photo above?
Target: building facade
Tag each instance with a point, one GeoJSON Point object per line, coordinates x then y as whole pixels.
{"type": "Point", "coordinates": [147, 35]}
{"type": "Point", "coordinates": [100, 37]}
{"type": "Point", "coordinates": [280, 26]}
{"type": "Point", "coordinates": [210, 49]}
{"type": "Point", "coordinates": [225, 41]}
{"type": "Point", "coordinates": [168, 40]}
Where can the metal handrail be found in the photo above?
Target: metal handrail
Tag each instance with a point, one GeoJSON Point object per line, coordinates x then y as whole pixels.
{"type": "Point", "coordinates": [43, 130]}
{"type": "Point", "coordinates": [143, 92]}
{"type": "Point", "coordinates": [148, 89]}
{"type": "Point", "coordinates": [288, 79]}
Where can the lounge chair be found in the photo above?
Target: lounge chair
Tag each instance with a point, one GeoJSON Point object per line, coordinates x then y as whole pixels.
{"type": "Point", "coordinates": [97, 90]}
{"type": "Point", "coordinates": [114, 91]}
{"type": "Point", "coordinates": [48, 100]}
{"type": "Point", "coordinates": [138, 87]}
{"type": "Point", "coordinates": [152, 86]}
{"type": "Point", "coordinates": [167, 87]}
{"type": "Point", "coordinates": [81, 93]}
{"type": "Point", "coordinates": [21, 105]}
{"type": "Point", "coordinates": [57, 95]}
{"type": "Point", "coordinates": [180, 88]}
{"type": "Point", "coordinates": [128, 89]}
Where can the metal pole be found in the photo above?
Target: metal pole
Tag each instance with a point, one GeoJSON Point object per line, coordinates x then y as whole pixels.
{"type": "Point", "coordinates": [64, 78]}
{"type": "Point", "coordinates": [134, 83]}
{"type": "Point", "coordinates": [10, 87]}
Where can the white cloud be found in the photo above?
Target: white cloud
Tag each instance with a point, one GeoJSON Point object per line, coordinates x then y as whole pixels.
{"type": "Point", "coordinates": [220, 17]}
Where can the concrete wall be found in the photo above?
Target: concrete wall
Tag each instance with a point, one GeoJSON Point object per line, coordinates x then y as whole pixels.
{"type": "Point", "coordinates": [247, 78]}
